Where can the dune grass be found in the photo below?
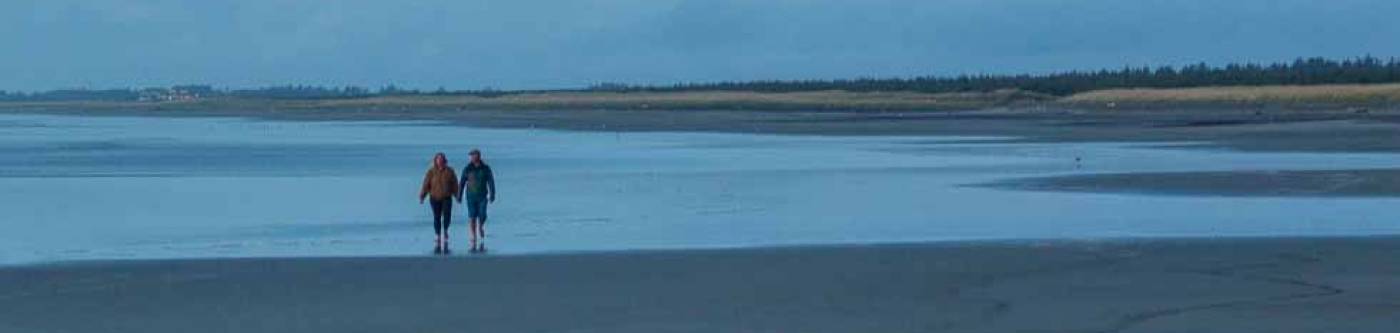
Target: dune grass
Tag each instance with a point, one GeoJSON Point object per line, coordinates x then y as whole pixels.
{"type": "Point", "coordinates": [1327, 96]}
{"type": "Point", "coordinates": [1337, 95]}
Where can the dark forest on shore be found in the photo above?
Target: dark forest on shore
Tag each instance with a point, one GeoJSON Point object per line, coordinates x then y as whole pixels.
{"type": "Point", "coordinates": [1303, 71]}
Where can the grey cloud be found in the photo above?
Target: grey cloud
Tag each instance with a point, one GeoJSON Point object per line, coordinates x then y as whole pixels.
{"type": "Point", "coordinates": [542, 43]}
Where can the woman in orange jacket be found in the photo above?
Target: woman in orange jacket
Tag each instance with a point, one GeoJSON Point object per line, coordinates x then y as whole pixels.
{"type": "Point", "coordinates": [440, 186]}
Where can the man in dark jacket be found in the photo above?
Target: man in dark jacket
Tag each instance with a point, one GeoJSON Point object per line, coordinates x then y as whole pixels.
{"type": "Point", "coordinates": [479, 187]}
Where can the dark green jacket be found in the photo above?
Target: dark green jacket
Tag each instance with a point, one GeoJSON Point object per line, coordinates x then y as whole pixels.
{"type": "Point", "coordinates": [478, 182]}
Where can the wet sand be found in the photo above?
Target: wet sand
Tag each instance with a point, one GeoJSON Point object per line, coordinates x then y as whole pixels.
{"type": "Point", "coordinates": [1183, 285]}
{"type": "Point", "coordinates": [1234, 127]}
{"type": "Point", "coordinates": [1241, 128]}
{"type": "Point", "coordinates": [1224, 285]}
{"type": "Point", "coordinates": [1380, 183]}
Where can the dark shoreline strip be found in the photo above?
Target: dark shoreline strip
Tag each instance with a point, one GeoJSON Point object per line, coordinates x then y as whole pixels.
{"type": "Point", "coordinates": [1355, 183]}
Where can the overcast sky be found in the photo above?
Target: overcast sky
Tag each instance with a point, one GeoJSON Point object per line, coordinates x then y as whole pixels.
{"type": "Point", "coordinates": [468, 44]}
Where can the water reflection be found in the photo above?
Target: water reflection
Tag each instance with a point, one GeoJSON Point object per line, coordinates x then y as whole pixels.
{"type": "Point", "coordinates": [246, 183]}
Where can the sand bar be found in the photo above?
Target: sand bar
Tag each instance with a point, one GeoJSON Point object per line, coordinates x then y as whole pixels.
{"type": "Point", "coordinates": [1185, 285]}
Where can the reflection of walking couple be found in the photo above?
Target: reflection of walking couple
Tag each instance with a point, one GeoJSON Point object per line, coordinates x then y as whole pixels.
{"type": "Point", "coordinates": [441, 186]}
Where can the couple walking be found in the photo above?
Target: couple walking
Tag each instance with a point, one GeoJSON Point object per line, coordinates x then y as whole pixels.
{"type": "Point", "coordinates": [441, 186]}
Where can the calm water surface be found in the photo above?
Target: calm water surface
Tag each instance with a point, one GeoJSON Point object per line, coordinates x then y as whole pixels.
{"type": "Point", "coordinates": [128, 187]}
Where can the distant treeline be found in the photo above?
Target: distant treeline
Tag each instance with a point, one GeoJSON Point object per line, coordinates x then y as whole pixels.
{"type": "Point", "coordinates": [1303, 71]}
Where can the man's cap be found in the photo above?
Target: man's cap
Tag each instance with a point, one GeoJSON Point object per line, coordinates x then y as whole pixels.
{"type": "Point", "coordinates": [474, 152]}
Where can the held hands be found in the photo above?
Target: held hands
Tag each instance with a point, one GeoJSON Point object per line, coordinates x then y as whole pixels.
{"type": "Point", "coordinates": [492, 199]}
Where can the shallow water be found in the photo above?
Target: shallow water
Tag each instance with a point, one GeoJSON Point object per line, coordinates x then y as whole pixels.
{"type": "Point", "coordinates": [129, 187]}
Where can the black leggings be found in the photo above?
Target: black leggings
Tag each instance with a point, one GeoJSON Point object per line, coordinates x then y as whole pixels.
{"type": "Point", "coordinates": [442, 215]}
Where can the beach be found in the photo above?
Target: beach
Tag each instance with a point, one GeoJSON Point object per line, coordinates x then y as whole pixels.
{"type": "Point", "coordinates": [978, 221]}
{"type": "Point", "coordinates": [1268, 128]}
{"type": "Point", "coordinates": [1163, 285]}
{"type": "Point", "coordinates": [1249, 127]}
{"type": "Point", "coordinates": [1258, 183]}
{"type": "Point", "coordinates": [200, 187]}
{"type": "Point", "coordinates": [1022, 166]}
